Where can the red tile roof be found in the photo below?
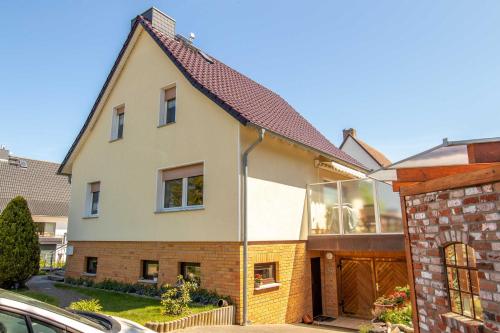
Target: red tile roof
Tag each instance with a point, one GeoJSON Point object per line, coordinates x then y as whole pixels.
{"type": "Point", "coordinates": [240, 96]}
{"type": "Point", "coordinates": [245, 99]}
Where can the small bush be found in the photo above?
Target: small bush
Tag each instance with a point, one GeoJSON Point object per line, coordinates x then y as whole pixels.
{"type": "Point", "coordinates": [398, 316]}
{"type": "Point", "coordinates": [175, 299]}
{"type": "Point", "coordinates": [90, 305]}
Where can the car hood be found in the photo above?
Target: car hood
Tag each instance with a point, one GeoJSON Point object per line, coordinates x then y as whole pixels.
{"type": "Point", "coordinates": [128, 326]}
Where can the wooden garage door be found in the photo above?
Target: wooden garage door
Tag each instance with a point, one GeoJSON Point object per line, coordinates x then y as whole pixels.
{"type": "Point", "coordinates": [357, 291]}
{"type": "Point", "coordinates": [390, 274]}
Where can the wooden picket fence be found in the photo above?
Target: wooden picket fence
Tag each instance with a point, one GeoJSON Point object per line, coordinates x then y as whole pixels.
{"type": "Point", "coordinates": [220, 316]}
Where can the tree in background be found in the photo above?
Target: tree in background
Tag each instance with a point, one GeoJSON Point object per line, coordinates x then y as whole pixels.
{"type": "Point", "coordinates": [19, 247]}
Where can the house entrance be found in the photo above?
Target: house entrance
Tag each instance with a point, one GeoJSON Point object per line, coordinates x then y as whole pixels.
{"type": "Point", "coordinates": [362, 280]}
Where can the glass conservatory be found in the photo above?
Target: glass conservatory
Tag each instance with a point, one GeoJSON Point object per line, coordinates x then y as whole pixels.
{"type": "Point", "coordinates": [350, 207]}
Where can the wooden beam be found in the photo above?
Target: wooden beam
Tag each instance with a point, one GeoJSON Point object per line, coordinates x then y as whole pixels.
{"type": "Point", "coordinates": [427, 173]}
{"type": "Point", "coordinates": [491, 174]}
{"type": "Point", "coordinates": [397, 185]}
{"type": "Point", "coordinates": [486, 152]}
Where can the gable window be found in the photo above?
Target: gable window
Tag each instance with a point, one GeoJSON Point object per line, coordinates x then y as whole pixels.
{"type": "Point", "coordinates": [168, 106]}
{"type": "Point", "coordinates": [463, 281]}
{"type": "Point", "coordinates": [118, 123]}
{"type": "Point", "coordinates": [265, 273]}
{"type": "Point", "coordinates": [93, 193]}
{"type": "Point", "coordinates": [191, 271]}
{"type": "Point", "coordinates": [91, 265]}
{"type": "Point", "coordinates": [150, 270]}
{"type": "Point", "coordinates": [182, 187]}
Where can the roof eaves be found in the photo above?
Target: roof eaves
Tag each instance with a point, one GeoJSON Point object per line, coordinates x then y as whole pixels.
{"type": "Point", "coordinates": [320, 152]}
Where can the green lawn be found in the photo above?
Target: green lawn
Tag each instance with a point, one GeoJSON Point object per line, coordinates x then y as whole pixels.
{"type": "Point", "coordinates": [138, 309]}
{"type": "Point", "coordinates": [39, 296]}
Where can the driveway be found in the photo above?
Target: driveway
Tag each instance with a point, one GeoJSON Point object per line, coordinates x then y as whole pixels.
{"type": "Point", "coordinates": [298, 328]}
{"type": "Point", "coordinates": [40, 283]}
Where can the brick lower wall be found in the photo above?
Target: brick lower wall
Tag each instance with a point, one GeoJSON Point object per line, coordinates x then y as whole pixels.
{"type": "Point", "coordinates": [468, 215]}
{"type": "Point", "coordinates": [221, 270]}
{"type": "Point", "coordinates": [288, 302]}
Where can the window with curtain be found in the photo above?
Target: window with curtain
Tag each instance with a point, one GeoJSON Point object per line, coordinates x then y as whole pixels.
{"type": "Point", "coordinates": [463, 281]}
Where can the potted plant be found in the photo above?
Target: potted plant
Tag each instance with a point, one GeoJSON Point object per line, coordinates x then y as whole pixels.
{"type": "Point", "coordinates": [258, 280]}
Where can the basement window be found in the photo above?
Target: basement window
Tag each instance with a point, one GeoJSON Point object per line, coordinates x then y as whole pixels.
{"type": "Point", "coordinates": [264, 274]}
{"type": "Point", "coordinates": [91, 265]}
{"type": "Point", "coordinates": [150, 270]}
{"type": "Point", "coordinates": [191, 271]}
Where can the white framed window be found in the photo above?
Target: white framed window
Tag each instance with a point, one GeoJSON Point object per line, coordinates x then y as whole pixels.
{"type": "Point", "coordinates": [168, 106]}
{"type": "Point", "coordinates": [93, 196]}
{"type": "Point", "coordinates": [181, 188]}
{"type": "Point", "coordinates": [118, 123]}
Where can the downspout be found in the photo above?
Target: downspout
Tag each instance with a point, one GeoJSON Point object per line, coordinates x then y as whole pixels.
{"type": "Point", "coordinates": [244, 161]}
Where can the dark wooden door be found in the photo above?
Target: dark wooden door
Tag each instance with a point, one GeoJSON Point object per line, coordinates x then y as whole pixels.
{"type": "Point", "coordinates": [357, 287]}
{"type": "Point", "coordinates": [317, 299]}
{"type": "Point", "coordinates": [390, 273]}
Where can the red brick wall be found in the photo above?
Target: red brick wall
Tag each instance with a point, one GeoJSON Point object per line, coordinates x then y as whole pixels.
{"type": "Point", "coordinates": [470, 215]}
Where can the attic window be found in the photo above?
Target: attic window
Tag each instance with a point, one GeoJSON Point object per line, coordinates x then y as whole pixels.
{"type": "Point", "coordinates": [206, 56]}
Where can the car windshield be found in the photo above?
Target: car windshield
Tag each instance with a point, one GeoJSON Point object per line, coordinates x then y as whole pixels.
{"type": "Point", "coordinates": [44, 306]}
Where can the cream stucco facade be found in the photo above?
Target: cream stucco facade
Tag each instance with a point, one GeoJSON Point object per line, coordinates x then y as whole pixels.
{"type": "Point", "coordinates": [128, 169]}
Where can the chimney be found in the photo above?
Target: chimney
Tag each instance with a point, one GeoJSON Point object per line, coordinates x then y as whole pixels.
{"type": "Point", "coordinates": [4, 153]}
{"type": "Point", "coordinates": [349, 131]}
{"type": "Point", "coordinates": [160, 21]}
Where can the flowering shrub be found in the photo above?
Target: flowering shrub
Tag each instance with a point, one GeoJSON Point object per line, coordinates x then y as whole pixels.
{"type": "Point", "coordinates": [399, 296]}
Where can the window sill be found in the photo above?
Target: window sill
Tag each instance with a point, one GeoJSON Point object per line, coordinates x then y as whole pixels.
{"type": "Point", "coordinates": [114, 140]}
{"type": "Point", "coordinates": [163, 125]}
{"type": "Point", "coordinates": [88, 274]}
{"type": "Point", "coordinates": [88, 217]}
{"type": "Point", "coordinates": [179, 209]}
{"type": "Point", "coordinates": [268, 286]}
{"type": "Point", "coordinates": [455, 320]}
{"type": "Point", "coordinates": [147, 281]}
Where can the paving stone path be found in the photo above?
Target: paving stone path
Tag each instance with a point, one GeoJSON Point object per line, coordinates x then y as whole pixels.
{"type": "Point", "coordinates": [40, 283]}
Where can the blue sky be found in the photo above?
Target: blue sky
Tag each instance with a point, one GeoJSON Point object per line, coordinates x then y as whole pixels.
{"type": "Point", "coordinates": [405, 74]}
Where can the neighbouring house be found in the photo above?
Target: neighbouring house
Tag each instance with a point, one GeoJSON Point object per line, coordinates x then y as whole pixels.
{"type": "Point", "coordinates": [185, 166]}
{"type": "Point", "coordinates": [48, 197]}
{"type": "Point", "coordinates": [361, 151]}
{"type": "Point", "coordinates": [451, 198]}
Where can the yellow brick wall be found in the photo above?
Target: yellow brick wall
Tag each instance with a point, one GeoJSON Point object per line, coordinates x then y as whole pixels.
{"type": "Point", "coordinates": [221, 270]}
{"type": "Point", "coordinates": [122, 261]}
{"type": "Point", "coordinates": [292, 299]}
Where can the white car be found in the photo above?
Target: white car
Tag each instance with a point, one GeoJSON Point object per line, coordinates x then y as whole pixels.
{"type": "Point", "coordinates": [21, 314]}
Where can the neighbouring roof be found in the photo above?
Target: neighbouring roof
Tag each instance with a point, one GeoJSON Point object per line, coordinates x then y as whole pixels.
{"type": "Point", "coordinates": [246, 100]}
{"type": "Point", "coordinates": [380, 158]}
{"type": "Point", "coordinates": [448, 153]}
{"type": "Point", "coordinates": [47, 192]}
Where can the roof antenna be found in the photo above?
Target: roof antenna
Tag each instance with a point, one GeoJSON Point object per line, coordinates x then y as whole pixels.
{"type": "Point", "coordinates": [192, 36]}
